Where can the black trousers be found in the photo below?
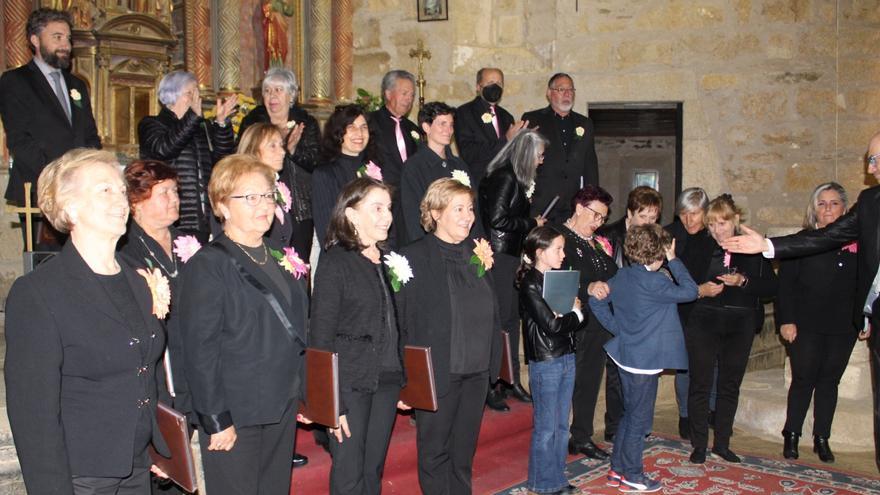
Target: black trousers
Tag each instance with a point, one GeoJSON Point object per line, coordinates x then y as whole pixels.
{"type": "Point", "coordinates": [504, 272]}
{"type": "Point", "coordinates": [875, 380]}
{"type": "Point", "coordinates": [259, 462]}
{"type": "Point", "coordinates": [301, 238]}
{"type": "Point", "coordinates": [613, 397]}
{"type": "Point", "coordinates": [588, 366]}
{"type": "Point", "coordinates": [817, 363]}
{"type": "Point", "coordinates": [447, 438]}
{"type": "Point", "coordinates": [725, 335]}
{"type": "Point", "coordinates": [359, 460]}
{"type": "Point", "coordinates": [137, 483]}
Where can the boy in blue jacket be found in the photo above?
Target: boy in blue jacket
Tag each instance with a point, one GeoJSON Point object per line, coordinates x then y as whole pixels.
{"type": "Point", "coordinates": [648, 338]}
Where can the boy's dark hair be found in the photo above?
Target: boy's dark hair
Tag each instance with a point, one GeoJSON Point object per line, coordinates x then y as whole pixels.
{"type": "Point", "coordinates": [432, 110]}
{"type": "Point", "coordinates": [38, 20]}
{"type": "Point", "coordinates": [646, 244]}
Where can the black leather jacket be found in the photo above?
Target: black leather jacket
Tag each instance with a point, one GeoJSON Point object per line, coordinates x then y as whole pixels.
{"type": "Point", "coordinates": [504, 210]}
{"type": "Point", "coordinates": [545, 335]}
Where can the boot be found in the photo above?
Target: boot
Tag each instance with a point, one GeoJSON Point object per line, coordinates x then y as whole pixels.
{"type": "Point", "coordinates": [790, 444]}
{"type": "Point", "coordinates": [821, 447]}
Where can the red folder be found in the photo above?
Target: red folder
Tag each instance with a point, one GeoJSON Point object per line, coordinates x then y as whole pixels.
{"type": "Point", "coordinates": [321, 403]}
{"type": "Point", "coordinates": [180, 467]}
{"type": "Point", "coordinates": [420, 391]}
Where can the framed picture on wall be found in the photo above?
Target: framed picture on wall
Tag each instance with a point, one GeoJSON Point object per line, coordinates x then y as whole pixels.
{"type": "Point", "coordinates": [432, 10]}
{"type": "Point", "coordinates": [644, 177]}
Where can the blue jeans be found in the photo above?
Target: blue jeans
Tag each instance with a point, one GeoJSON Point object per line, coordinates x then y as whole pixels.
{"type": "Point", "coordinates": [551, 383]}
{"type": "Point", "coordinates": [639, 395]}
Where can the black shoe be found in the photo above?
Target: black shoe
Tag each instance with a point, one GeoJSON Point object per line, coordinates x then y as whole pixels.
{"type": "Point", "coordinates": [727, 455]}
{"type": "Point", "coordinates": [588, 449]}
{"type": "Point", "coordinates": [495, 402]}
{"type": "Point", "coordinates": [821, 447]}
{"type": "Point", "coordinates": [299, 460]}
{"type": "Point", "coordinates": [698, 456]}
{"type": "Point", "coordinates": [609, 437]}
{"type": "Point", "coordinates": [684, 427]}
{"type": "Point", "coordinates": [712, 419]}
{"type": "Point", "coordinates": [790, 444]}
{"type": "Point", "coordinates": [520, 394]}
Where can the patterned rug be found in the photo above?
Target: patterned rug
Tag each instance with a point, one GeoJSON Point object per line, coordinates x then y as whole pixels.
{"type": "Point", "coordinates": [667, 460]}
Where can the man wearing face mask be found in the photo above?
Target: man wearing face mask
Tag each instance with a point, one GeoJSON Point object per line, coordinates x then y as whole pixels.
{"type": "Point", "coordinates": [482, 126]}
{"type": "Point", "coordinates": [46, 112]}
{"type": "Point", "coordinates": [570, 161]}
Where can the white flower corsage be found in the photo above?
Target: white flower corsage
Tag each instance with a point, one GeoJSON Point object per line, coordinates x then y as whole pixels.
{"type": "Point", "coordinates": [461, 176]}
{"type": "Point", "coordinates": [398, 269]}
{"type": "Point", "coordinates": [579, 131]}
{"type": "Point", "coordinates": [76, 96]}
{"type": "Point", "coordinates": [415, 135]}
{"type": "Point", "coordinates": [530, 191]}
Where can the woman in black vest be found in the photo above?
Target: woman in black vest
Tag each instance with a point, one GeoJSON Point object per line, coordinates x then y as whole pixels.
{"type": "Point", "coordinates": [814, 311]}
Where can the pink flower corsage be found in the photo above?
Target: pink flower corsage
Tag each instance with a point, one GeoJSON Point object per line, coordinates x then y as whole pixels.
{"type": "Point", "coordinates": [852, 247]}
{"type": "Point", "coordinates": [160, 290]}
{"type": "Point", "coordinates": [370, 170]}
{"type": "Point", "coordinates": [282, 200]}
{"type": "Point", "coordinates": [290, 261]}
{"type": "Point", "coordinates": [605, 244]}
{"type": "Point", "coordinates": [186, 246]}
{"type": "Point", "coordinates": [726, 259]}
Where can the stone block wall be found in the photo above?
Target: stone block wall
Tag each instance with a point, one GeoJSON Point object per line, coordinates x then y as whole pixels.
{"type": "Point", "coordinates": [778, 95]}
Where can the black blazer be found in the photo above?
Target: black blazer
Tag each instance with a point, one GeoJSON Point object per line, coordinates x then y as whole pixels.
{"type": "Point", "coordinates": [37, 129]}
{"type": "Point", "coordinates": [862, 224]}
{"type": "Point", "coordinates": [242, 364]}
{"type": "Point", "coordinates": [817, 293]}
{"type": "Point", "coordinates": [476, 140]}
{"type": "Point", "coordinates": [544, 335]}
{"type": "Point", "coordinates": [349, 317]}
{"type": "Point", "coordinates": [504, 210]}
{"type": "Point", "coordinates": [327, 182]}
{"type": "Point", "coordinates": [424, 309]}
{"type": "Point", "coordinates": [74, 379]}
{"type": "Point", "coordinates": [562, 170]}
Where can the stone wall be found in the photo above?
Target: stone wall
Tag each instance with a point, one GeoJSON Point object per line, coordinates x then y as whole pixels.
{"type": "Point", "coordinates": [778, 95]}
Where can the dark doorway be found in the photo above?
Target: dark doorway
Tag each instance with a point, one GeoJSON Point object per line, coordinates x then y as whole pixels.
{"type": "Point", "coordinates": [639, 144]}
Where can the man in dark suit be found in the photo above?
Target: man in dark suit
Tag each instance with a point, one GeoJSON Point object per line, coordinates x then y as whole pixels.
{"type": "Point", "coordinates": [862, 224]}
{"type": "Point", "coordinates": [482, 126]}
{"type": "Point", "coordinates": [45, 109]}
{"type": "Point", "coordinates": [570, 161]}
{"type": "Point", "coordinates": [396, 137]}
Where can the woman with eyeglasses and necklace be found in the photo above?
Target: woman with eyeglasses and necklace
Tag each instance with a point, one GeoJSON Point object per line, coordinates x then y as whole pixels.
{"type": "Point", "coordinates": [243, 309]}
{"type": "Point", "coordinates": [592, 256]}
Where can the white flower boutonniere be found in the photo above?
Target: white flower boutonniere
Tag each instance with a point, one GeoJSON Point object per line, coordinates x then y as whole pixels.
{"type": "Point", "coordinates": [76, 96]}
{"type": "Point", "coordinates": [579, 131]}
{"type": "Point", "coordinates": [487, 118]}
{"type": "Point", "coordinates": [160, 290]}
{"type": "Point", "coordinates": [415, 135]}
{"type": "Point", "coordinates": [530, 191]}
{"type": "Point", "coordinates": [290, 124]}
{"type": "Point", "coordinates": [461, 176]}
{"type": "Point", "coordinates": [398, 269]}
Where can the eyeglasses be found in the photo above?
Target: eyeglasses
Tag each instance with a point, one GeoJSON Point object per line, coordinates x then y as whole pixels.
{"type": "Point", "coordinates": [598, 215]}
{"type": "Point", "coordinates": [563, 90]}
{"type": "Point", "coordinates": [255, 199]}
{"type": "Point", "coordinates": [872, 160]}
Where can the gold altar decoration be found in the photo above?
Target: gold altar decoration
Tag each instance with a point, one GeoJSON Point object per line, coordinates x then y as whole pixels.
{"type": "Point", "coordinates": [419, 53]}
{"type": "Point", "coordinates": [320, 51]}
{"type": "Point", "coordinates": [343, 59]}
{"type": "Point", "coordinates": [229, 20]}
{"type": "Point", "coordinates": [198, 43]}
{"type": "Point", "coordinates": [15, 14]}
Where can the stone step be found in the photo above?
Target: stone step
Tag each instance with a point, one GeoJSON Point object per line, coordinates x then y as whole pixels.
{"type": "Point", "coordinates": [762, 406]}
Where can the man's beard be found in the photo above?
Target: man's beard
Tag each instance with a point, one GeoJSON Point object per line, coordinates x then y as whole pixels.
{"type": "Point", "coordinates": [53, 59]}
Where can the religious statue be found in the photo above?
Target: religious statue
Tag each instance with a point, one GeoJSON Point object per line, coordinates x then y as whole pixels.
{"type": "Point", "coordinates": [275, 32]}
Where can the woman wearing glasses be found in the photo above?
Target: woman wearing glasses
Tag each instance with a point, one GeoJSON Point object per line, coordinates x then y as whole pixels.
{"type": "Point", "coordinates": [592, 256]}
{"type": "Point", "coordinates": [243, 309]}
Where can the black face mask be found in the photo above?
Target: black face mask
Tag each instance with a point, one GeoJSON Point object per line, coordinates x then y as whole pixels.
{"type": "Point", "coordinates": [492, 93]}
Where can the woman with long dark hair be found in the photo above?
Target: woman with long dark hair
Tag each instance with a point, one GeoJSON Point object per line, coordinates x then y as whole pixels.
{"type": "Point", "coordinates": [354, 315]}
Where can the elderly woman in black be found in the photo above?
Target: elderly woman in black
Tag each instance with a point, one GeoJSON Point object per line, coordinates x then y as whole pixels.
{"type": "Point", "coordinates": [450, 306]}
{"type": "Point", "coordinates": [83, 339]}
{"type": "Point", "coordinates": [721, 328]}
{"type": "Point", "coordinates": [243, 309]}
{"type": "Point", "coordinates": [180, 136]}
{"type": "Point", "coordinates": [353, 314]}
{"type": "Point", "coordinates": [814, 310]}
{"type": "Point", "coordinates": [301, 137]}
{"type": "Point", "coordinates": [346, 143]}
{"type": "Point", "coordinates": [505, 196]}
{"type": "Point", "coordinates": [593, 257]}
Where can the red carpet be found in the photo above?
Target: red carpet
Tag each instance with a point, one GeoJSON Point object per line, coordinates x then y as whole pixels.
{"type": "Point", "coordinates": [501, 460]}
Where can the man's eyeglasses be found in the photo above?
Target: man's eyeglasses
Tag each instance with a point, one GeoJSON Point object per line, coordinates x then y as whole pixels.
{"type": "Point", "coordinates": [598, 215]}
{"type": "Point", "coordinates": [255, 199]}
{"type": "Point", "coordinates": [563, 90]}
{"type": "Point", "coordinates": [872, 160]}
